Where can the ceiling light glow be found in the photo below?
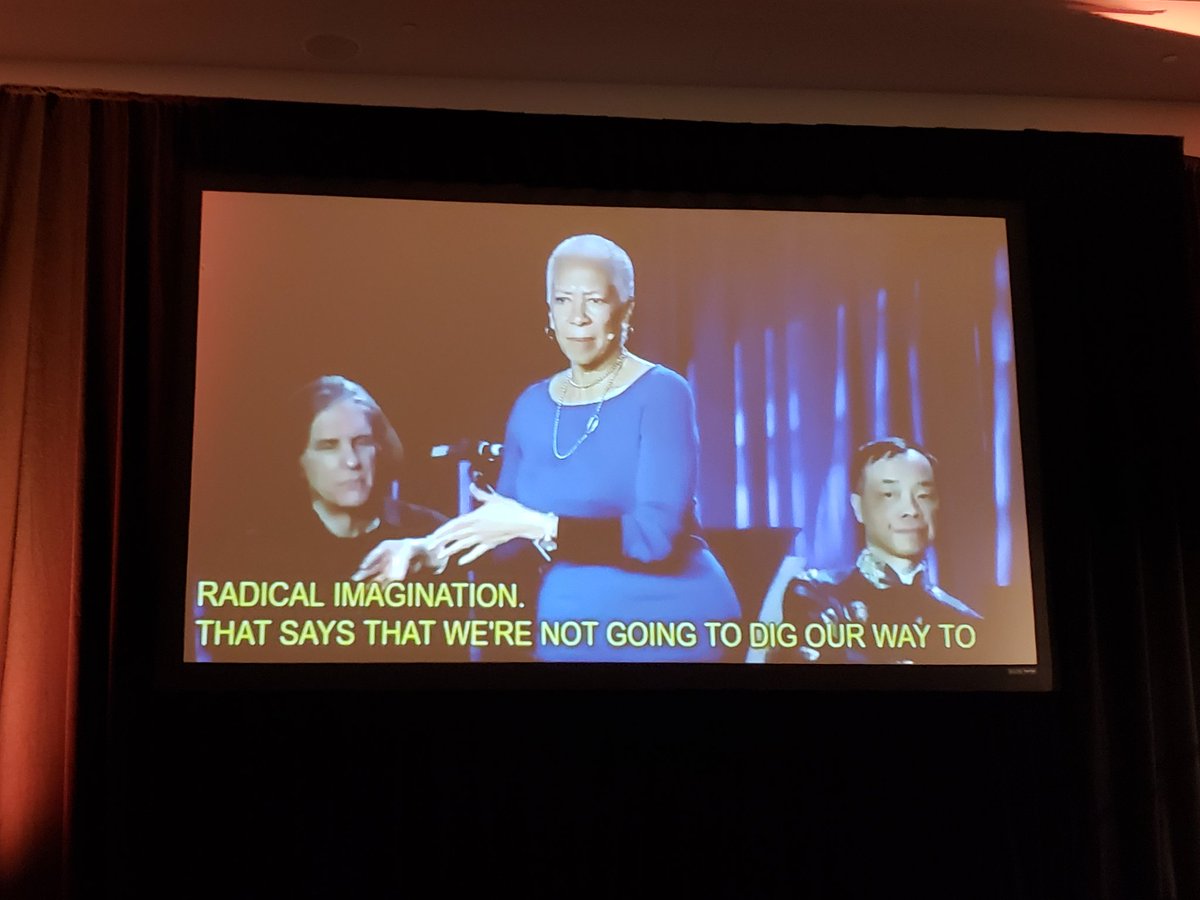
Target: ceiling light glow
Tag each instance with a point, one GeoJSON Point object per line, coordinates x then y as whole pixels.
{"type": "Point", "coordinates": [1178, 16]}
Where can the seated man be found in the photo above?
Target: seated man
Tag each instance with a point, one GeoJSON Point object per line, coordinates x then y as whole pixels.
{"type": "Point", "coordinates": [884, 609]}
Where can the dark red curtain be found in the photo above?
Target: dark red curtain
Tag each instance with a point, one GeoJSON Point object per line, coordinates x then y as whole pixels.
{"type": "Point", "coordinates": [45, 145]}
{"type": "Point", "coordinates": [73, 258]}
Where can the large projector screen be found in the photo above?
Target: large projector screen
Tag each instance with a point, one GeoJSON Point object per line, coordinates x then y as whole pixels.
{"type": "Point", "coordinates": [777, 439]}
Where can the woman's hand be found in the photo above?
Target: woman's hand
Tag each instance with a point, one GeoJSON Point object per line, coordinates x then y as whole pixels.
{"type": "Point", "coordinates": [497, 520]}
{"type": "Point", "coordinates": [395, 560]}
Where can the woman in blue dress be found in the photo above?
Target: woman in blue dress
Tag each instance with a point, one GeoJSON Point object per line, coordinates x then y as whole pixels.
{"type": "Point", "coordinates": [599, 472]}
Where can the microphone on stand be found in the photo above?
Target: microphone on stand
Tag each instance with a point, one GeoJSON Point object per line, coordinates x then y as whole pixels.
{"type": "Point", "coordinates": [472, 451]}
{"type": "Point", "coordinates": [469, 455]}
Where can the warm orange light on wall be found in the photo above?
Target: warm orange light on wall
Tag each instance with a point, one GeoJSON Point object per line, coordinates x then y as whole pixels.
{"type": "Point", "coordinates": [1179, 16]}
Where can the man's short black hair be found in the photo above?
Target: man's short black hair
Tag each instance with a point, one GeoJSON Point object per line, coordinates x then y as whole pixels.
{"type": "Point", "coordinates": [884, 448]}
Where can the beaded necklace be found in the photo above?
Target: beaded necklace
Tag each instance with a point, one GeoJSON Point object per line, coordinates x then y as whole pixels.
{"type": "Point", "coordinates": [593, 421]}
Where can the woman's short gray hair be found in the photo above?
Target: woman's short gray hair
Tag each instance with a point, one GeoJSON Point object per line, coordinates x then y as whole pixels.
{"type": "Point", "coordinates": [602, 250]}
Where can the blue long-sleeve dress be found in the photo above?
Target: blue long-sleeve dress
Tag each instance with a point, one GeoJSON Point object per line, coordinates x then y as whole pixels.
{"type": "Point", "coordinates": [640, 465]}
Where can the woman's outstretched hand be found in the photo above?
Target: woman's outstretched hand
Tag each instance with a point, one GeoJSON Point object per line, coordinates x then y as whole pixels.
{"type": "Point", "coordinates": [395, 560]}
{"type": "Point", "coordinates": [497, 520]}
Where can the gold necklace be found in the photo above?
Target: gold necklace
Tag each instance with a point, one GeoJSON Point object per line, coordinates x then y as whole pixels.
{"type": "Point", "coordinates": [583, 387]}
{"type": "Point", "coordinates": [593, 421]}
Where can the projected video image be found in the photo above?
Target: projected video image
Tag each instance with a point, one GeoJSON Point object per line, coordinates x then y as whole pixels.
{"type": "Point", "coordinates": [474, 433]}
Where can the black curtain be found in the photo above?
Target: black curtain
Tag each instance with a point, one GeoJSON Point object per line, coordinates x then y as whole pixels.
{"type": "Point", "coordinates": [1091, 790]}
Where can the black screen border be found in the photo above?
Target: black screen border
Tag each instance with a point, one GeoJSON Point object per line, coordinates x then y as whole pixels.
{"type": "Point", "coordinates": [173, 673]}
